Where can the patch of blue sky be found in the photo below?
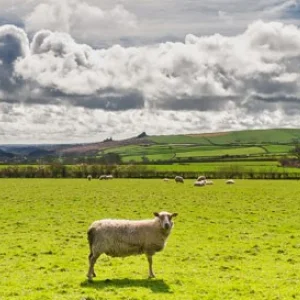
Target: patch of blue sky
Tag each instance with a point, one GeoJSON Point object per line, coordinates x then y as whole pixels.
{"type": "Point", "coordinates": [292, 11]}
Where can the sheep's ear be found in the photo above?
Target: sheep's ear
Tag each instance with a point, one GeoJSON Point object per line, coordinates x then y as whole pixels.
{"type": "Point", "coordinates": [174, 215]}
{"type": "Point", "coordinates": [156, 214]}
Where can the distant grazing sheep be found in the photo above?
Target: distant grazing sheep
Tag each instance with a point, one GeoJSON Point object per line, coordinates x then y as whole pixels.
{"type": "Point", "coordinates": [209, 182]}
{"type": "Point", "coordinates": [105, 177]}
{"type": "Point", "coordinates": [89, 177]}
{"type": "Point", "coordinates": [201, 178]}
{"type": "Point", "coordinates": [230, 181]}
{"type": "Point", "coordinates": [179, 179]}
{"type": "Point", "coordinates": [120, 238]}
{"type": "Point", "coordinates": [200, 183]}
{"type": "Point", "coordinates": [166, 179]}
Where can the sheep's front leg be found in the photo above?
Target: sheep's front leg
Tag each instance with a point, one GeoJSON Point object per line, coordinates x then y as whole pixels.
{"type": "Point", "coordinates": [151, 274]}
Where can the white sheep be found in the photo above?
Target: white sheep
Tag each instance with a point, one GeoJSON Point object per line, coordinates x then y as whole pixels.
{"type": "Point", "coordinates": [106, 177]}
{"type": "Point", "coordinates": [89, 177]}
{"type": "Point", "coordinates": [209, 182]}
{"type": "Point", "coordinates": [120, 238]}
{"type": "Point", "coordinates": [179, 179]}
{"type": "Point", "coordinates": [166, 179]}
{"type": "Point", "coordinates": [200, 183]}
{"type": "Point", "coordinates": [200, 178]}
{"type": "Point", "coordinates": [230, 181]}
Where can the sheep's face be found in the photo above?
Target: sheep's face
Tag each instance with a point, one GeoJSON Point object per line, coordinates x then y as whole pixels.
{"type": "Point", "coordinates": [165, 219]}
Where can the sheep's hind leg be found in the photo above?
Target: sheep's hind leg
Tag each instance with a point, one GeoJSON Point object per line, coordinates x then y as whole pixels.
{"type": "Point", "coordinates": [151, 274]}
{"type": "Point", "coordinates": [92, 260]}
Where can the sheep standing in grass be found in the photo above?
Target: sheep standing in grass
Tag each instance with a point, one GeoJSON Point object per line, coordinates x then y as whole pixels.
{"type": "Point", "coordinates": [179, 179]}
{"type": "Point", "coordinates": [105, 177]}
{"type": "Point", "coordinates": [201, 178]}
{"type": "Point", "coordinates": [230, 181]}
{"type": "Point", "coordinates": [200, 183]}
{"type": "Point", "coordinates": [89, 177]}
{"type": "Point", "coordinates": [120, 238]}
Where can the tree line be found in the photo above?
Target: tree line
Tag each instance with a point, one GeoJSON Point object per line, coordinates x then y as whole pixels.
{"type": "Point", "coordinates": [58, 170]}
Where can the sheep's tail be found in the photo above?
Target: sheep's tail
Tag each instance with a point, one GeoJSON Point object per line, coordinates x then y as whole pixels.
{"type": "Point", "coordinates": [91, 237]}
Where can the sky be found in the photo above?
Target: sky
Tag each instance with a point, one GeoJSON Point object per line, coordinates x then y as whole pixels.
{"type": "Point", "coordinates": [77, 71]}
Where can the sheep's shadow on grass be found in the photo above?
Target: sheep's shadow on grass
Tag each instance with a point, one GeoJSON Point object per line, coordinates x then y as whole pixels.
{"type": "Point", "coordinates": [155, 285]}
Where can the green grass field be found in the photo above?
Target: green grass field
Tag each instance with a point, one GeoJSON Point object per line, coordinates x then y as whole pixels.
{"type": "Point", "coordinates": [155, 153]}
{"type": "Point", "coordinates": [245, 166]}
{"type": "Point", "coordinates": [259, 166]}
{"type": "Point", "coordinates": [272, 136]}
{"type": "Point", "coordinates": [229, 242]}
{"type": "Point", "coordinates": [258, 143]}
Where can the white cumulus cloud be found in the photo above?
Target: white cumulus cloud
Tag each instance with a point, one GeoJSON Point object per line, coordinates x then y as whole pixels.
{"type": "Point", "coordinates": [84, 21]}
{"type": "Point", "coordinates": [199, 73]}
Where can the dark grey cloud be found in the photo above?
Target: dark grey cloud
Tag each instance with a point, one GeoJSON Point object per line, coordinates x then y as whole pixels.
{"type": "Point", "coordinates": [197, 103]}
{"type": "Point", "coordinates": [10, 50]}
{"type": "Point", "coordinates": [13, 45]}
{"type": "Point", "coordinates": [108, 100]}
{"type": "Point", "coordinates": [111, 102]}
{"type": "Point", "coordinates": [278, 99]}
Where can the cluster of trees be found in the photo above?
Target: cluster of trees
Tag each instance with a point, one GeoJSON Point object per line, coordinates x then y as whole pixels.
{"type": "Point", "coordinates": [57, 170]}
{"type": "Point", "coordinates": [107, 158]}
{"type": "Point", "coordinates": [293, 160]}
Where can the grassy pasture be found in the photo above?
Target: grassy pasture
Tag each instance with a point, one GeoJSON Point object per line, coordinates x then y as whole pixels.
{"type": "Point", "coordinates": [278, 148]}
{"type": "Point", "coordinates": [229, 242]}
{"type": "Point", "coordinates": [225, 151]}
{"type": "Point", "coordinates": [215, 165]}
{"type": "Point", "coordinates": [256, 143]}
{"type": "Point", "coordinates": [237, 137]}
{"type": "Point", "coordinates": [245, 166]}
{"type": "Point", "coordinates": [165, 152]}
{"type": "Point", "coordinates": [168, 152]}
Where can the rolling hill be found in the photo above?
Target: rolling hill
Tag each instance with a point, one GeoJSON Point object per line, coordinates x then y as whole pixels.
{"type": "Point", "coordinates": [144, 148]}
{"type": "Point", "coordinates": [247, 144]}
{"type": "Point", "coordinates": [245, 137]}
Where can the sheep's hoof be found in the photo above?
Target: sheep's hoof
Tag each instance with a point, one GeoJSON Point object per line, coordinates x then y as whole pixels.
{"type": "Point", "coordinates": [151, 276]}
{"type": "Point", "coordinates": [90, 278]}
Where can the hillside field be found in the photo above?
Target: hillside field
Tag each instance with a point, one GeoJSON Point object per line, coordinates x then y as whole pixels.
{"type": "Point", "coordinates": [156, 153]}
{"type": "Point", "coordinates": [230, 242]}
{"type": "Point", "coordinates": [243, 137]}
{"type": "Point", "coordinates": [271, 143]}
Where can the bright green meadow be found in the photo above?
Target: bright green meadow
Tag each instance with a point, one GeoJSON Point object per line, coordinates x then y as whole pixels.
{"type": "Point", "coordinates": [238, 241]}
